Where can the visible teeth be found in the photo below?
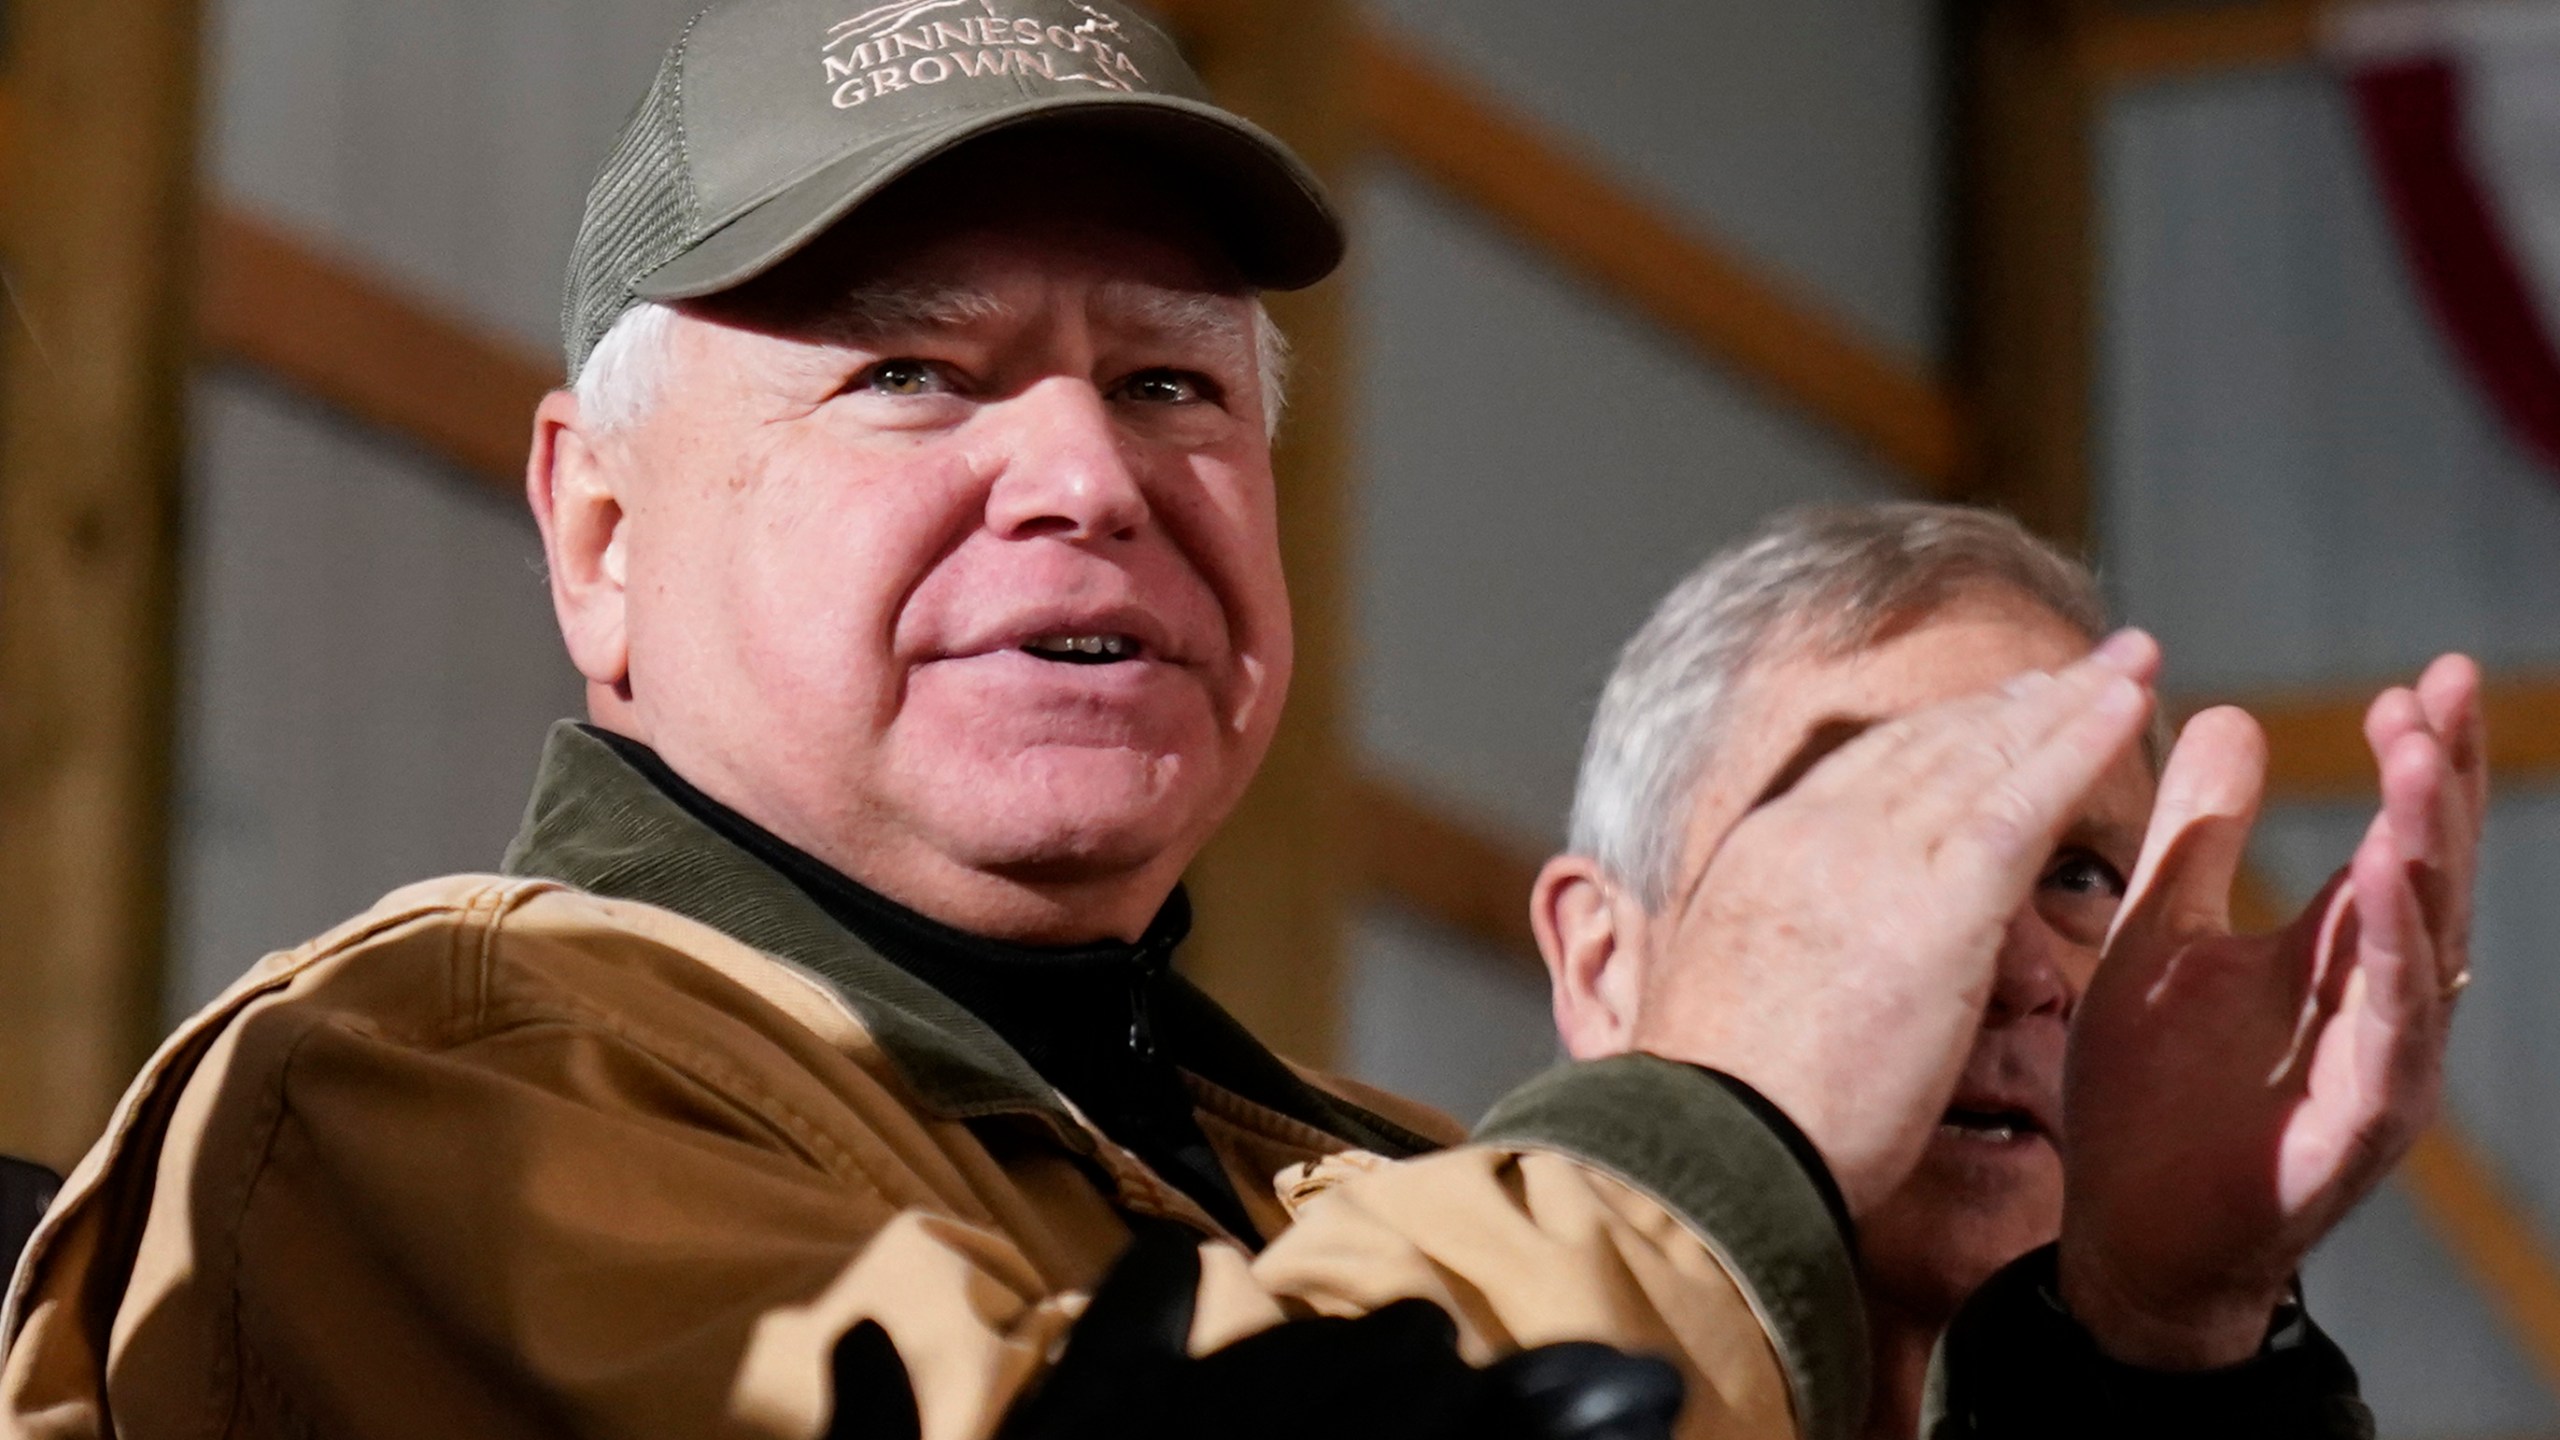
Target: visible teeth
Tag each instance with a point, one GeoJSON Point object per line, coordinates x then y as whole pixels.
{"type": "Point", "coordinates": [1994, 1126]}
{"type": "Point", "coordinates": [1113, 645]}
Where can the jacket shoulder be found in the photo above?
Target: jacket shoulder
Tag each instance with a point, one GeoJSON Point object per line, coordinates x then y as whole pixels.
{"type": "Point", "coordinates": [465, 945]}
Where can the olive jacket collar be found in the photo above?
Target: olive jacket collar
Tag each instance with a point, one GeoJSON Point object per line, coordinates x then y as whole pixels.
{"type": "Point", "coordinates": [597, 823]}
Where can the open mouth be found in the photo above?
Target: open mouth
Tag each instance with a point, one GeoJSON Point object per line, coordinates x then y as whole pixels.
{"type": "Point", "coordinates": [1990, 1127]}
{"type": "Point", "coordinates": [1085, 649]}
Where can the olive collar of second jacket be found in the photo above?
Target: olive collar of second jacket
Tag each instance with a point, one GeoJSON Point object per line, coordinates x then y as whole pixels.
{"type": "Point", "coordinates": [597, 823]}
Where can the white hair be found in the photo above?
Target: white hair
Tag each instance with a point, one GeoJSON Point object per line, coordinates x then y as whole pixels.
{"type": "Point", "coordinates": [1830, 580]}
{"type": "Point", "coordinates": [625, 373]}
{"type": "Point", "coordinates": [619, 384]}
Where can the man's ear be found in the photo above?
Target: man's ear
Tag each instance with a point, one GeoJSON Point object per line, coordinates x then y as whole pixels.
{"type": "Point", "coordinates": [576, 502]}
{"type": "Point", "coordinates": [1592, 935]}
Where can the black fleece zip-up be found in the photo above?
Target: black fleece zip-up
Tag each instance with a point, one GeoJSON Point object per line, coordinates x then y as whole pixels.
{"type": "Point", "coordinates": [1084, 1016]}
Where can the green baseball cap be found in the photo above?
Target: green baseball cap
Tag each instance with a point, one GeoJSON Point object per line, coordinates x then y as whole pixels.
{"type": "Point", "coordinates": [772, 120]}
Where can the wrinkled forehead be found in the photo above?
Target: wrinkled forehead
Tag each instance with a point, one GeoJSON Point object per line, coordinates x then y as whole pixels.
{"type": "Point", "coordinates": [889, 307]}
{"type": "Point", "coordinates": [1805, 691]}
{"type": "Point", "coordinates": [1800, 697]}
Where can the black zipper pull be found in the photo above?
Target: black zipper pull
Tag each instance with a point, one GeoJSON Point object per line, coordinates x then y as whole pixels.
{"type": "Point", "coordinates": [1142, 1025]}
{"type": "Point", "coordinates": [1152, 961]}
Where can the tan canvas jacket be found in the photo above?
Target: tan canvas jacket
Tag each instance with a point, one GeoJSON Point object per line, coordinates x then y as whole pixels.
{"type": "Point", "coordinates": [620, 1144]}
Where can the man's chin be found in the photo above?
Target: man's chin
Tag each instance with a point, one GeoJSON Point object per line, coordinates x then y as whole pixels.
{"type": "Point", "coordinates": [1973, 1205]}
{"type": "Point", "coordinates": [1927, 1260]}
{"type": "Point", "coordinates": [1071, 815]}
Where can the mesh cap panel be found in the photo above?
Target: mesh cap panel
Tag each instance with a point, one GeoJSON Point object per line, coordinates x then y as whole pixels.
{"type": "Point", "coordinates": [640, 214]}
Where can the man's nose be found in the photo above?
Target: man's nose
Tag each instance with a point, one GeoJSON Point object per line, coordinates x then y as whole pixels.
{"type": "Point", "coordinates": [2033, 978]}
{"type": "Point", "coordinates": [1067, 471]}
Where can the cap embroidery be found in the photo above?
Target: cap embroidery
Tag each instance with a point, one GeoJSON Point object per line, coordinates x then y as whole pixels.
{"type": "Point", "coordinates": [915, 44]}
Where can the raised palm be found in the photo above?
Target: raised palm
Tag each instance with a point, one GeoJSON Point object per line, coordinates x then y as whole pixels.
{"type": "Point", "coordinates": [2231, 1096]}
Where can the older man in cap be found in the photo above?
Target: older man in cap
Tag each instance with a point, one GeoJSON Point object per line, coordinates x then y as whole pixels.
{"type": "Point", "coordinates": [817, 1065]}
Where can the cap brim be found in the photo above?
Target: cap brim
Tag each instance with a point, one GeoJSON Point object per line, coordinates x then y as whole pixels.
{"type": "Point", "coordinates": [1279, 229]}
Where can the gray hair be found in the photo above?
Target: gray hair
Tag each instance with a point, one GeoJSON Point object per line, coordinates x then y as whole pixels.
{"type": "Point", "coordinates": [625, 372]}
{"type": "Point", "coordinates": [1833, 580]}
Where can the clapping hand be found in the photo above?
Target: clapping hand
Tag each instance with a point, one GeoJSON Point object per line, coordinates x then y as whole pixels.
{"type": "Point", "coordinates": [2231, 1097]}
{"type": "Point", "coordinates": [1855, 922]}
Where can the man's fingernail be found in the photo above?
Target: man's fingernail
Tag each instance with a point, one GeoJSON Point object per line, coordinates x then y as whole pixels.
{"type": "Point", "coordinates": [2124, 649]}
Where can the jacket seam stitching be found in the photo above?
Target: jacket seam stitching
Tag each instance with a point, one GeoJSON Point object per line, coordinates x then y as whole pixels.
{"type": "Point", "coordinates": [256, 1376]}
{"type": "Point", "coordinates": [1772, 1334]}
{"type": "Point", "coordinates": [696, 1063]}
{"type": "Point", "coordinates": [1264, 1122]}
{"type": "Point", "coordinates": [222, 1409]}
{"type": "Point", "coordinates": [1724, 1259]}
{"type": "Point", "coordinates": [267, 1126]}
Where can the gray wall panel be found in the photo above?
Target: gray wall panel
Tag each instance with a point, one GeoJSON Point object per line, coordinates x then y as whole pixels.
{"type": "Point", "coordinates": [371, 661]}
{"type": "Point", "coordinates": [370, 667]}
{"type": "Point", "coordinates": [2298, 484]}
{"type": "Point", "coordinates": [448, 143]}
{"type": "Point", "coordinates": [1806, 133]}
{"type": "Point", "coordinates": [1538, 465]}
{"type": "Point", "coordinates": [1440, 1019]}
{"type": "Point", "coordinates": [1536, 470]}
{"type": "Point", "coordinates": [2434, 1362]}
{"type": "Point", "coordinates": [2301, 488]}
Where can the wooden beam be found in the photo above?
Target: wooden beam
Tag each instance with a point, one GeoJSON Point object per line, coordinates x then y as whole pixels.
{"type": "Point", "coordinates": [365, 345]}
{"type": "Point", "coordinates": [1275, 886]}
{"type": "Point", "coordinates": [1574, 214]}
{"type": "Point", "coordinates": [2316, 748]}
{"type": "Point", "coordinates": [343, 335]}
{"type": "Point", "coordinates": [2027, 312]}
{"type": "Point", "coordinates": [1571, 212]}
{"type": "Point", "coordinates": [94, 236]}
{"type": "Point", "coordinates": [1456, 874]}
{"type": "Point", "coordinates": [2121, 47]}
{"type": "Point", "coordinates": [2493, 1237]}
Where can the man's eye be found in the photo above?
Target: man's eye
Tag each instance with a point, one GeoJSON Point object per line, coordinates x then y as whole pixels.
{"type": "Point", "coordinates": [1167, 387]}
{"type": "Point", "coordinates": [903, 377]}
{"type": "Point", "coordinates": [2083, 873]}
